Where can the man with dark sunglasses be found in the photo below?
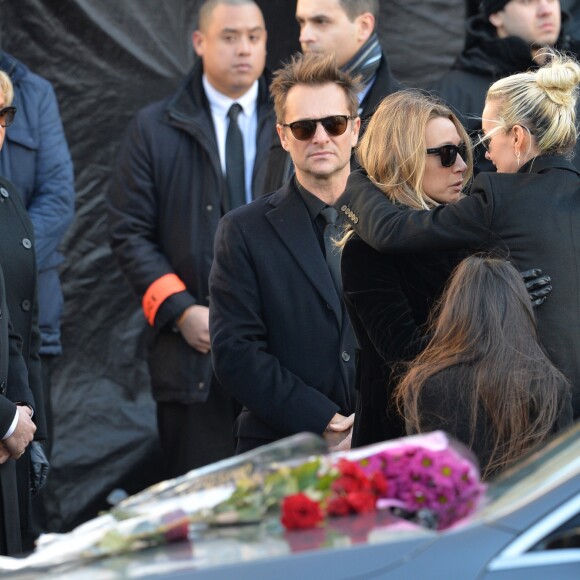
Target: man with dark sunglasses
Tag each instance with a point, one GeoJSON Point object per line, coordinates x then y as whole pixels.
{"type": "Point", "coordinates": [347, 30]}
{"type": "Point", "coordinates": [281, 340]}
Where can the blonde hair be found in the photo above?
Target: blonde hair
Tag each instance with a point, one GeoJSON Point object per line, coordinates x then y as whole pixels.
{"type": "Point", "coordinates": [6, 88]}
{"type": "Point", "coordinates": [543, 101]}
{"type": "Point", "coordinates": [392, 149]}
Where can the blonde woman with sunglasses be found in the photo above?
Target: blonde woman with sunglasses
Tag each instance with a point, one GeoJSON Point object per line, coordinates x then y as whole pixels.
{"type": "Point", "coordinates": [417, 153]}
{"type": "Point", "coordinates": [529, 211]}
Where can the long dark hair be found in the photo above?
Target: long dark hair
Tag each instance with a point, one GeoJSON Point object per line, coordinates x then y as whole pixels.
{"type": "Point", "coordinates": [484, 326]}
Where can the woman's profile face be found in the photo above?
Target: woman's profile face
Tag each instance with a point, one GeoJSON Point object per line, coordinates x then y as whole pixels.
{"type": "Point", "coordinates": [442, 184]}
{"type": "Point", "coordinates": [500, 145]}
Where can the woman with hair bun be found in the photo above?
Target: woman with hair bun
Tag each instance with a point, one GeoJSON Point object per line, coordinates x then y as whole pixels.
{"type": "Point", "coordinates": [484, 378]}
{"type": "Point", "coordinates": [528, 212]}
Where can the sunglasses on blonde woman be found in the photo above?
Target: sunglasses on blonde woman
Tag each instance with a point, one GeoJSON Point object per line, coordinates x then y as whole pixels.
{"type": "Point", "coordinates": [7, 116]}
{"type": "Point", "coordinates": [448, 153]}
{"type": "Point", "coordinates": [305, 129]}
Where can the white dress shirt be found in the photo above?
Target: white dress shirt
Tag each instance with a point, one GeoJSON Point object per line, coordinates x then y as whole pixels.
{"type": "Point", "coordinates": [247, 120]}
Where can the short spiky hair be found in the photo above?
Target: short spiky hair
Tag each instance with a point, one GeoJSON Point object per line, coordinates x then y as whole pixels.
{"type": "Point", "coordinates": [311, 70]}
{"type": "Point", "coordinates": [354, 8]}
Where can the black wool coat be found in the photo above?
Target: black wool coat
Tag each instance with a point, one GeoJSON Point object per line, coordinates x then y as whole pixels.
{"type": "Point", "coordinates": [388, 299]}
{"type": "Point", "coordinates": [531, 217]}
{"type": "Point", "coordinates": [13, 389]}
{"type": "Point", "coordinates": [281, 341]}
{"type": "Point", "coordinates": [166, 200]}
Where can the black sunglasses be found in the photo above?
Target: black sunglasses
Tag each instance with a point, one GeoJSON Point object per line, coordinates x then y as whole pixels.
{"type": "Point", "coordinates": [448, 153]}
{"type": "Point", "coordinates": [305, 129]}
{"type": "Point", "coordinates": [7, 116]}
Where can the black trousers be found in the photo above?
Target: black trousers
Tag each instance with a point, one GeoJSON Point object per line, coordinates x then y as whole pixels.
{"type": "Point", "coordinates": [195, 435]}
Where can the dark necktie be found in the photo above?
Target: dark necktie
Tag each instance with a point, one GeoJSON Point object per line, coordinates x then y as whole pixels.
{"type": "Point", "coordinates": [235, 160]}
{"type": "Point", "coordinates": [331, 232]}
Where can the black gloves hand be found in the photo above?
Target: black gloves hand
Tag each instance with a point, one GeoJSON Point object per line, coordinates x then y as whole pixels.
{"type": "Point", "coordinates": [537, 285]}
{"type": "Point", "coordinates": [39, 467]}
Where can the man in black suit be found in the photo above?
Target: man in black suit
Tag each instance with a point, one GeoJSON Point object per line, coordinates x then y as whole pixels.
{"type": "Point", "coordinates": [281, 341]}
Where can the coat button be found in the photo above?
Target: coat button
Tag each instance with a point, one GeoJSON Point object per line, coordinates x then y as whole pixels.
{"type": "Point", "coordinates": [345, 356]}
{"type": "Point", "coordinates": [3, 192]}
{"type": "Point", "coordinates": [27, 243]}
{"type": "Point", "coordinates": [3, 388]}
{"type": "Point", "coordinates": [200, 385]}
{"type": "Point", "coordinates": [25, 305]}
{"type": "Point", "coordinates": [209, 207]}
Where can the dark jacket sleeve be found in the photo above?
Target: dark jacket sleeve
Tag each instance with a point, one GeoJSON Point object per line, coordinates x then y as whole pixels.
{"type": "Point", "coordinates": [133, 218]}
{"type": "Point", "coordinates": [240, 354]}
{"type": "Point", "coordinates": [391, 230]}
{"type": "Point", "coordinates": [375, 298]}
{"type": "Point", "coordinates": [7, 414]}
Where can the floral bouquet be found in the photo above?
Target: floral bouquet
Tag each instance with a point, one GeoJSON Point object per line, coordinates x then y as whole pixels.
{"type": "Point", "coordinates": [425, 478]}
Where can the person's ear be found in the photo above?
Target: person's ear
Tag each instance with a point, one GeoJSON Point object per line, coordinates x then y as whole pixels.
{"type": "Point", "coordinates": [283, 137]}
{"type": "Point", "coordinates": [496, 19]}
{"type": "Point", "coordinates": [355, 131]}
{"type": "Point", "coordinates": [197, 42]}
{"type": "Point", "coordinates": [365, 26]}
{"type": "Point", "coordinates": [520, 135]}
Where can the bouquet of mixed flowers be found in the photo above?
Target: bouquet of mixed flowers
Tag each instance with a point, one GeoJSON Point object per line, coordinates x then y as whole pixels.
{"type": "Point", "coordinates": [425, 478]}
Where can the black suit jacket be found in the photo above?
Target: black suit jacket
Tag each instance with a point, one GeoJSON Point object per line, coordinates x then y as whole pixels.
{"type": "Point", "coordinates": [281, 341]}
{"type": "Point", "coordinates": [531, 217]}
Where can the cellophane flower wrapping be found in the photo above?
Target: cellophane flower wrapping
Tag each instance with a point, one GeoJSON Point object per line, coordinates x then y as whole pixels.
{"type": "Point", "coordinates": [294, 480]}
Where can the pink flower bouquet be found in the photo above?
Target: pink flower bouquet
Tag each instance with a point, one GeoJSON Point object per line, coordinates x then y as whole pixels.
{"type": "Point", "coordinates": [425, 477]}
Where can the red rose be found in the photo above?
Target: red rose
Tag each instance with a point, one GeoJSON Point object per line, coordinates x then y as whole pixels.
{"type": "Point", "coordinates": [379, 483]}
{"type": "Point", "coordinates": [349, 469]}
{"type": "Point", "coordinates": [346, 485]}
{"type": "Point", "coordinates": [362, 502]}
{"type": "Point", "coordinates": [338, 506]}
{"type": "Point", "coordinates": [299, 512]}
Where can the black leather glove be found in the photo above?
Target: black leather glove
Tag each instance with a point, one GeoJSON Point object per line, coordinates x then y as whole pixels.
{"type": "Point", "coordinates": [39, 467]}
{"type": "Point", "coordinates": [537, 285]}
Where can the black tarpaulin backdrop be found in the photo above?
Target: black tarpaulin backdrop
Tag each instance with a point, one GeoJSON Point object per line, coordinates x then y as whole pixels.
{"type": "Point", "coordinates": [106, 59]}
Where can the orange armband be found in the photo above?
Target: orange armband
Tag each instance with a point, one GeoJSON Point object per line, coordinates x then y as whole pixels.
{"type": "Point", "coordinates": [159, 291]}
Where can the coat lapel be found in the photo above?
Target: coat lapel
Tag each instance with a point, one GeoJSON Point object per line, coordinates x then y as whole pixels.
{"type": "Point", "coordinates": [289, 218]}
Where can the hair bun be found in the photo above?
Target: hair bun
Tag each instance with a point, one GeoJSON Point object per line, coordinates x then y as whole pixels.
{"type": "Point", "coordinates": [559, 79]}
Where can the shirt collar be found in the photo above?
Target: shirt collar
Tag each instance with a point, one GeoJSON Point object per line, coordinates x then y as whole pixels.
{"type": "Point", "coordinates": [313, 204]}
{"type": "Point", "coordinates": [220, 104]}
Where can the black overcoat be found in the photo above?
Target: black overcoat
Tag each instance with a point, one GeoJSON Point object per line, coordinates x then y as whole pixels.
{"type": "Point", "coordinates": [388, 299]}
{"type": "Point", "coordinates": [164, 206]}
{"type": "Point", "coordinates": [13, 388]}
{"type": "Point", "coordinates": [531, 217]}
{"type": "Point", "coordinates": [281, 341]}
